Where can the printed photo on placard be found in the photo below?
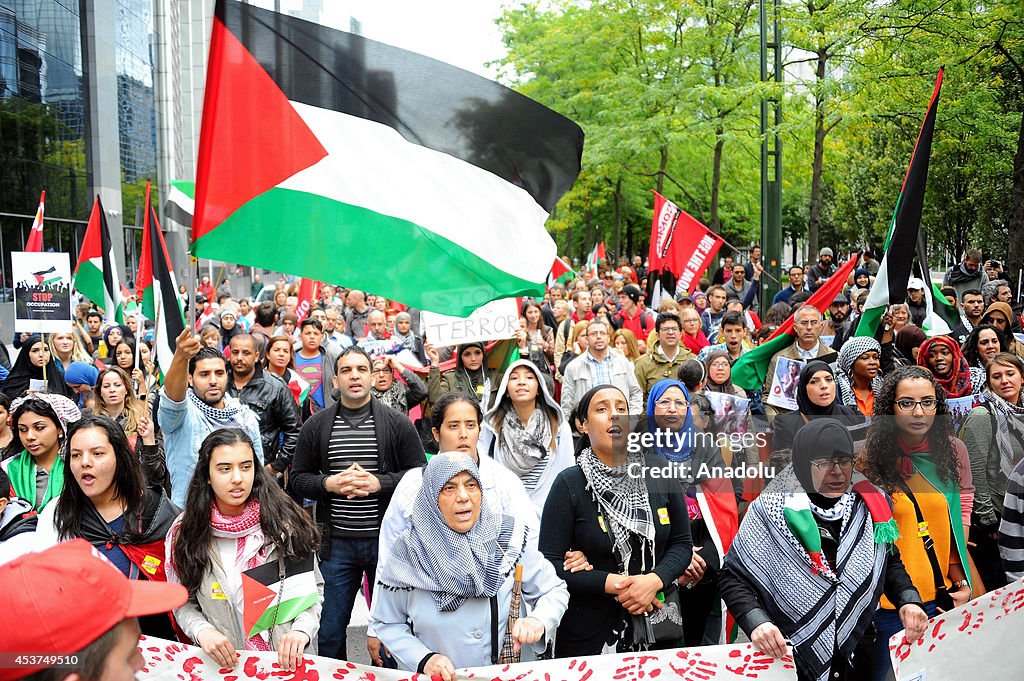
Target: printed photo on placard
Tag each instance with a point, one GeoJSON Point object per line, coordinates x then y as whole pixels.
{"type": "Point", "coordinates": [960, 408]}
{"type": "Point", "coordinates": [730, 412]}
{"type": "Point", "coordinates": [785, 382]}
{"type": "Point", "coordinates": [42, 292]}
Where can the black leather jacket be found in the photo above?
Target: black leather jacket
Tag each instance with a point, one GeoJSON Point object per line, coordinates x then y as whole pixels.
{"type": "Point", "coordinates": [272, 402]}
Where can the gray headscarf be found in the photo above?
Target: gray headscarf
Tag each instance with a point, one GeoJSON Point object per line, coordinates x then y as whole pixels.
{"type": "Point", "coordinates": [854, 348]}
{"type": "Point", "coordinates": [453, 566]}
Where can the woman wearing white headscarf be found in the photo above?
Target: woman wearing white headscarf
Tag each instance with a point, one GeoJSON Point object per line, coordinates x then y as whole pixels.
{"type": "Point", "coordinates": [451, 569]}
{"type": "Point", "coordinates": [526, 432]}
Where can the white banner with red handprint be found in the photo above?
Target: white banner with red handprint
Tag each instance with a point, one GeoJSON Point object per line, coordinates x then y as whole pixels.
{"type": "Point", "coordinates": [169, 661]}
{"type": "Point", "coordinates": [980, 639]}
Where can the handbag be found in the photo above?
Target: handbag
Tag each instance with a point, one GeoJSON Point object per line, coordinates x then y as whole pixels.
{"type": "Point", "coordinates": [942, 598]}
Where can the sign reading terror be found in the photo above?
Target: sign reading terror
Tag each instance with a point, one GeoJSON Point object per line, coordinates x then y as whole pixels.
{"type": "Point", "coordinates": [495, 320]}
{"type": "Point", "coordinates": [42, 292]}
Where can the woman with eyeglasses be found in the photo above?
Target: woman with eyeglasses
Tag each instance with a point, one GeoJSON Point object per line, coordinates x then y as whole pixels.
{"type": "Point", "coordinates": [994, 436]}
{"type": "Point", "coordinates": [912, 455]}
{"type": "Point", "coordinates": [678, 438]}
{"type": "Point", "coordinates": [811, 559]}
{"type": "Point", "coordinates": [943, 357]}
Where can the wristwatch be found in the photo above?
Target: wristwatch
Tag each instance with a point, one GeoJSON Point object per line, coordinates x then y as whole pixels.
{"type": "Point", "coordinates": [961, 584]}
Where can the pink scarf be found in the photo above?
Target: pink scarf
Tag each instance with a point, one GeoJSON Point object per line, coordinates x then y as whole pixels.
{"type": "Point", "coordinates": [244, 528]}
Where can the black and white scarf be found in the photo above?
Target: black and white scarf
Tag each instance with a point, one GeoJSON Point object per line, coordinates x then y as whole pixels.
{"type": "Point", "coordinates": [525, 446]}
{"type": "Point", "coordinates": [453, 566]}
{"type": "Point", "coordinates": [819, 612]}
{"type": "Point", "coordinates": [228, 417]}
{"type": "Point", "coordinates": [395, 397]}
{"type": "Point", "coordinates": [1009, 421]}
{"type": "Point", "coordinates": [622, 499]}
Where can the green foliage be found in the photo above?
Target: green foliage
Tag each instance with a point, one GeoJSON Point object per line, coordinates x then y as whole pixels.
{"type": "Point", "coordinates": [668, 94]}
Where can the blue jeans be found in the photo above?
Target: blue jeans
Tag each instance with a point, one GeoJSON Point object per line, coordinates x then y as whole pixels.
{"type": "Point", "coordinates": [887, 623]}
{"type": "Point", "coordinates": [343, 578]}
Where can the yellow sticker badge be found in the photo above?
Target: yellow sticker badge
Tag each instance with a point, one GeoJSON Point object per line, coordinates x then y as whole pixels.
{"type": "Point", "coordinates": [151, 564]}
{"type": "Point", "coordinates": [663, 515]}
{"type": "Point", "coordinates": [217, 593]}
{"type": "Point", "coordinates": [600, 521]}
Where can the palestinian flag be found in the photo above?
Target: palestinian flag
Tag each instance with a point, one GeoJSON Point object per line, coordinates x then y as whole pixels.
{"type": "Point", "coordinates": [46, 277]}
{"type": "Point", "coordinates": [96, 271]}
{"type": "Point", "coordinates": [157, 288]}
{"type": "Point", "coordinates": [717, 503]}
{"type": "Point", "coordinates": [901, 242]}
{"type": "Point", "coordinates": [750, 370]}
{"type": "Point", "coordinates": [941, 317]}
{"type": "Point", "coordinates": [35, 235]}
{"type": "Point", "coordinates": [594, 258]}
{"type": "Point", "coordinates": [269, 600]}
{"type": "Point", "coordinates": [561, 273]}
{"type": "Point", "coordinates": [299, 388]}
{"type": "Point", "coordinates": [316, 141]}
{"type": "Point", "coordinates": [181, 202]}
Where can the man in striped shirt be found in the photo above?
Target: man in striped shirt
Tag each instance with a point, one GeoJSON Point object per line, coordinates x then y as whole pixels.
{"type": "Point", "coordinates": [349, 458]}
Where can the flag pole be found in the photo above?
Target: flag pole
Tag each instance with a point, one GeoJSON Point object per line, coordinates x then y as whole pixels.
{"type": "Point", "coordinates": [193, 263]}
{"type": "Point", "coordinates": [156, 325]}
{"type": "Point", "coordinates": [739, 252]}
{"type": "Point", "coordinates": [44, 363]}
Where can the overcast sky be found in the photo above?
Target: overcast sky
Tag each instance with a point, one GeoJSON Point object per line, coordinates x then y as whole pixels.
{"type": "Point", "coordinates": [459, 32]}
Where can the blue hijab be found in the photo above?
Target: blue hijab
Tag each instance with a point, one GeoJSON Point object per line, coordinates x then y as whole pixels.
{"type": "Point", "coordinates": [684, 448]}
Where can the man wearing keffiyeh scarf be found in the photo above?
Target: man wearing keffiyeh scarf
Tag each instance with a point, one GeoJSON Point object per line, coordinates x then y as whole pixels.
{"type": "Point", "coordinates": [193, 404]}
{"type": "Point", "coordinates": [781, 579]}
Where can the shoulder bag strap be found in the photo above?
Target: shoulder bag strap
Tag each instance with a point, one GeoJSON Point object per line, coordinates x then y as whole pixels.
{"type": "Point", "coordinates": [926, 538]}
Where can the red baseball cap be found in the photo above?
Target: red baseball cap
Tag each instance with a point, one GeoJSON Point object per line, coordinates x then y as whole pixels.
{"type": "Point", "coordinates": [67, 596]}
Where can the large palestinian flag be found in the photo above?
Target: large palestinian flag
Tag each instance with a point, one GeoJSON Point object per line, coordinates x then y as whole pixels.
{"type": "Point", "coordinates": [96, 271]}
{"type": "Point", "coordinates": [901, 242]}
{"type": "Point", "coordinates": [157, 288]}
{"type": "Point", "coordinates": [330, 156]}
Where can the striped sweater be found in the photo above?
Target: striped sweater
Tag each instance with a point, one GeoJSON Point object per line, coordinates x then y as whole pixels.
{"type": "Point", "coordinates": [1011, 527]}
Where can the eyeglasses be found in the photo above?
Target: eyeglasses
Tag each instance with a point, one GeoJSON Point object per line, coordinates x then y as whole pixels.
{"type": "Point", "coordinates": [844, 464]}
{"type": "Point", "coordinates": [723, 364]}
{"type": "Point", "coordinates": [928, 405]}
{"type": "Point", "coordinates": [670, 329]}
{"type": "Point", "coordinates": [384, 371]}
{"type": "Point", "coordinates": [808, 323]}
{"type": "Point", "coordinates": [666, 403]}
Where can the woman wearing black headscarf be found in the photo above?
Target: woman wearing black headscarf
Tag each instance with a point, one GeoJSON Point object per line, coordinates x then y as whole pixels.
{"type": "Point", "coordinates": [816, 397]}
{"type": "Point", "coordinates": [33, 357]}
{"type": "Point", "coordinates": [781, 579]}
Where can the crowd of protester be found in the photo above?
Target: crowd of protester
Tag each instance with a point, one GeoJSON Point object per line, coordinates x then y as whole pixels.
{"type": "Point", "coordinates": [489, 513]}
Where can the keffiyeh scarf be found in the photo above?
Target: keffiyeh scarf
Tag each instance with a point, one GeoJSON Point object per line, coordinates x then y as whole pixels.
{"type": "Point", "coordinates": [395, 397]}
{"type": "Point", "coordinates": [228, 417]}
{"type": "Point", "coordinates": [819, 610]}
{"type": "Point", "coordinates": [525, 446]}
{"type": "Point", "coordinates": [623, 501]}
{"type": "Point", "coordinates": [453, 566]}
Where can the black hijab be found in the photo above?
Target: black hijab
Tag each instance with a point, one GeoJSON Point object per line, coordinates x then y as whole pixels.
{"type": "Point", "coordinates": [580, 413]}
{"type": "Point", "coordinates": [24, 371]}
{"type": "Point", "coordinates": [804, 404]}
{"type": "Point", "coordinates": [822, 438]}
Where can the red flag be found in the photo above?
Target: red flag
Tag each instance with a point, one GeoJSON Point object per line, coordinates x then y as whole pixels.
{"type": "Point", "coordinates": [35, 237]}
{"type": "Point", "coordinates": [681, 250]}
{"type": "Point", "coordinates": [309, 291]}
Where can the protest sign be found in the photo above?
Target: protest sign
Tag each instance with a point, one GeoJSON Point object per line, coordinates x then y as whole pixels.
{"type": "Point", "coordinates": [785, 381]}
{"type": "Point", "coordinates": [42, 292]}
{"type": "Point", "coordinates": [495, 320]}
{"type": "Point", "coordinates": [960, 408]}
{"type": "Point", "coordinates": [977, 640]}
{"type": "Point", "coordinates": [730, 412]}
{"type": "Point", "coordinates": [170, 661]}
